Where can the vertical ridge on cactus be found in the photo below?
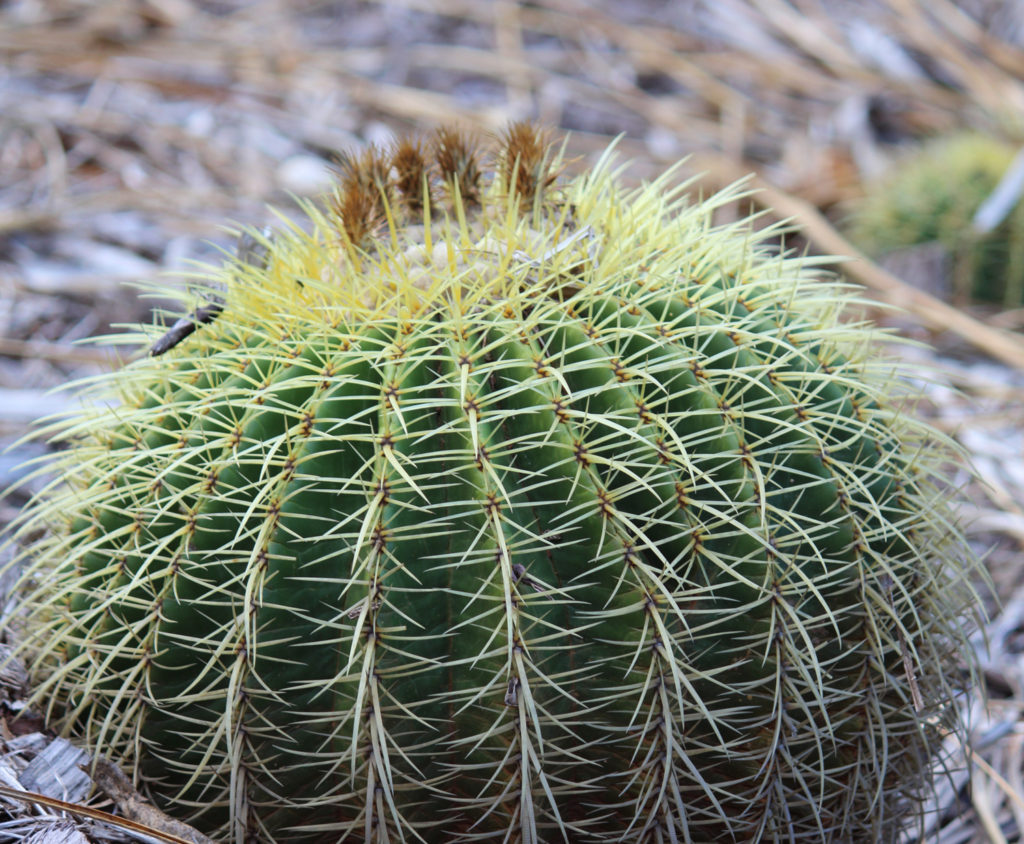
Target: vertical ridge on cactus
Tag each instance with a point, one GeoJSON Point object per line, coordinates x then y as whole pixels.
{"type": "Point", "coordinates": [510, 508]}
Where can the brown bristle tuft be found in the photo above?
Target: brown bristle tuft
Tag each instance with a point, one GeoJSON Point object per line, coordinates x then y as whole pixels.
{"type": "Point", "coordinates": [458, 160]}
{"type": "Point", "coordinates": [363, 191]}
{"type": "Point", "coordinates": [525, 165]}
{"type": "Point", "coordinates": [412, 178]}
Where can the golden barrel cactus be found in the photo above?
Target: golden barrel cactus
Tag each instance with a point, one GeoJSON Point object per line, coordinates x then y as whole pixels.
{"type": "Point", "coordinates": [496, 505]}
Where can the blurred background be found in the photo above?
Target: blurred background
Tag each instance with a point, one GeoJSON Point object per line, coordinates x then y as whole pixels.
{"type": "Point", "coordinates": [135, 133]}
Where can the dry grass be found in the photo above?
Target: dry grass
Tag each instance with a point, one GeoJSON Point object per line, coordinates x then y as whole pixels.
{"type": "Point", "coordinates": [131, 132]}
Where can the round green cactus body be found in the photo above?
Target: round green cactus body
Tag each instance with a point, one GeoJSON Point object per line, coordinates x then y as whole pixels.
{"type": "Point", "coordinates": [507, 508]}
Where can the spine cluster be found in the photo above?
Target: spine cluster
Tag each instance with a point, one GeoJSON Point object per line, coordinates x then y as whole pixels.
{"type": "Point", "coordinates": [416, 174]}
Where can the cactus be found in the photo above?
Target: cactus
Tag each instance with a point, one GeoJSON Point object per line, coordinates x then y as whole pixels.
{"type": "Point", "coordinates": [506, 506]}
{"type": "Point", "coordinates": [932, 197]}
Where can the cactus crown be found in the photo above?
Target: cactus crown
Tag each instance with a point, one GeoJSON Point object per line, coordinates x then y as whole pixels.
{"type": "Point", "coordinates": [506, 507]}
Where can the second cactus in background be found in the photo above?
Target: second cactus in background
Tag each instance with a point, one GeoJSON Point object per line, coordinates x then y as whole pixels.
{"type": "Point", "coordinates": [931, 196]}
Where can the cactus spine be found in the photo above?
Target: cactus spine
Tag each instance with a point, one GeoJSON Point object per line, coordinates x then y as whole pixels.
{"type": "Point", "coordinates": [507, 508]}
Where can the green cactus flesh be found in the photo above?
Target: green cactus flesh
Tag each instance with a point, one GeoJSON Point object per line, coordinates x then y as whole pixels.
{"type": "Point", "coordinates": [550, 513]}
